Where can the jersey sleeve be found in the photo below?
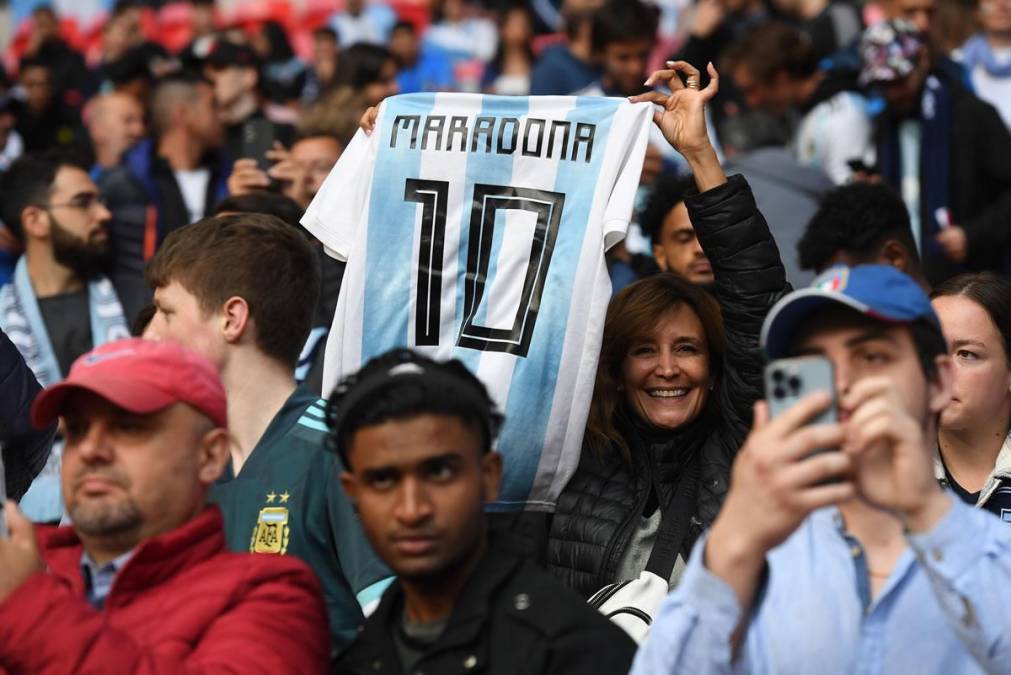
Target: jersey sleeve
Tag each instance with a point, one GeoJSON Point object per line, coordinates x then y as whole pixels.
{"type": "Point", "coordinates": [364, 571]}
{"type": "Point", "coordinates": [631, 125]}
{"type": "Point", "coordinates": [336, 211]}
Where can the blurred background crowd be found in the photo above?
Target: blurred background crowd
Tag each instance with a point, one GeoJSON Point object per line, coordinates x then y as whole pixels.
{"type": "Point", "coordinates": [174, 106]}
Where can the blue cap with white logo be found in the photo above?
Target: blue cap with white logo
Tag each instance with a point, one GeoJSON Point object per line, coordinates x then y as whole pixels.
{"type": "Point", "coordinates": [878, 291]}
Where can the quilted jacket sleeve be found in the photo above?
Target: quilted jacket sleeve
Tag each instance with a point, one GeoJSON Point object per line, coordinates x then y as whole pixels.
{"type": "Point", "coordinates": [750, 278]}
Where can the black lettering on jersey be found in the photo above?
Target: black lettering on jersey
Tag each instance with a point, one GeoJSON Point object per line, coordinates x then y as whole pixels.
{"type": "Point", "coordinates": [433, 125]}
{"type": "Point", "coordinates": [488, 201]}
{"type": "Point", "coordinates": [483, 126]}
{"type": "Point", "coordinates": [528, 129]}
{"type": "Point", "coordinates": [458, 125]}
{"type": "Point", "coordinates": [526, 134]}
{"type": "Point", "coordinates": [432, 195]}
{"type": "Point", "coordinates": [584, 135]}
{"type": "Point", "coordinates": [404, 122]}
{"type": "Point", "coordinates": [502, 150]}
{"type": "Point", "coordinates": [555, 126]}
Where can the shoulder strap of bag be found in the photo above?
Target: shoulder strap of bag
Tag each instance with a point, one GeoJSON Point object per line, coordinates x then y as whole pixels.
{"type": "Point", "coordinates": [674, 523]}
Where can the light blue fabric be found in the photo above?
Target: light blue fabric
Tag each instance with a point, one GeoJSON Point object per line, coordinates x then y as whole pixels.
{"type": "Point", "coordinates": [98, 579]}
{"type": "Point", "coordinates": [432, 72]}
{"type": "Point", "coordinates": [945, 608]}
{"type": "Point", "coordinates": [910, 141]}
{"type": "Point", "coordinates": [22, 320]}
{"type": "Point", "coordinates": [977, 53]}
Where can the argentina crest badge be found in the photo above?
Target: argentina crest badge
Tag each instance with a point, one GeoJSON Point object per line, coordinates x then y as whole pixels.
{"type": "Point", "coordinates": [270, 535]}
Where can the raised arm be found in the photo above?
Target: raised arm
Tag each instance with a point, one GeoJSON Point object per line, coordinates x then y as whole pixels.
{"type": "Point", "coordinates": [748, 271]}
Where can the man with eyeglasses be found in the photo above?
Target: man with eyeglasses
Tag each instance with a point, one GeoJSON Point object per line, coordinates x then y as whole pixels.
{"type": "Point", "coordinates": [58, 305]}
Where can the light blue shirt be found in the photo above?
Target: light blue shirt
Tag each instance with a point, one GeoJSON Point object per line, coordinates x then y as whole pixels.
{"type": "Point", "coordinates": [98, 579]}
{"type": "Point", "coordinates": [945, 609]}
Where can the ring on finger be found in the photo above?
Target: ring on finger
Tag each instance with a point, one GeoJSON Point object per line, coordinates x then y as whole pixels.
{"type": "Point", "coordinates": [693, 83]}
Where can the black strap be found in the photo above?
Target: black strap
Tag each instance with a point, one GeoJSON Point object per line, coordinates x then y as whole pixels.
{"type": "Point", "coordinates": [674, 522]}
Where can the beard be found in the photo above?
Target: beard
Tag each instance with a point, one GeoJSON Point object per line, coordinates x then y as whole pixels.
{"type": "Point", "coordinates": [105, 519]}
{"type": "Point", "coordinates": [87, 258]}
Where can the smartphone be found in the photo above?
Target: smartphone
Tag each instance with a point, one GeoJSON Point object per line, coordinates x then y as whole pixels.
{"type": "Point", "coordinates": [789, 380]}
{"type": "Point", "coordinates": [257, 138]}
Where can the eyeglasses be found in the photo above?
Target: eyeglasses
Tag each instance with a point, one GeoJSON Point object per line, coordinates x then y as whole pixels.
{"type": "Point", "coordinates": [86, 202]}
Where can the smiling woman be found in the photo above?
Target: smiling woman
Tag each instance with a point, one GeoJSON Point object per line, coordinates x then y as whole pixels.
{"type": "Point", "coordinates": [678, 374]}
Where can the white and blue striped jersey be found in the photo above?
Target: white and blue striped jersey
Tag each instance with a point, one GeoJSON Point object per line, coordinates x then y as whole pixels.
{"type": "Point", "coordinates": [474, 227]}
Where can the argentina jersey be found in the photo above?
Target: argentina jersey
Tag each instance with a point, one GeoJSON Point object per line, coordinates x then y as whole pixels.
{"type": "Point", "coordinates": [474, 227]}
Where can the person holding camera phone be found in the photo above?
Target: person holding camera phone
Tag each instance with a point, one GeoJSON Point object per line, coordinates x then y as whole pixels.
{"type": "Point", "coordinates": [844, 560]}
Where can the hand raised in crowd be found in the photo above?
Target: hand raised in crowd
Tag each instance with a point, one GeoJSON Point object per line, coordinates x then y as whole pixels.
{"type": "Point", "coordinates": [683, 121]}
{"type": "Point", "coordinates": [283, 167]}
{"type": "Point", "coordinates": [19, 553]}
{"type": "Point", "coordinates": [890, 468]}
{"type": "Point", "coordinates": [246, 177]}
{"type": "Point", "coordinates": [954, 242]}
{"type": "Point", "coordinates": [368, 121]}
{"type": "Point", "coordinates": [778, 479]}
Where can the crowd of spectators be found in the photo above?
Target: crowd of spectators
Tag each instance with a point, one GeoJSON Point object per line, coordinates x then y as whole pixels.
{"type": "Point", "coordinates": [824, 178]}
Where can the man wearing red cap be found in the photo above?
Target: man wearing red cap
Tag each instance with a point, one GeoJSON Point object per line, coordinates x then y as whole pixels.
{"type": "Point", "coordinates": [142, 581]}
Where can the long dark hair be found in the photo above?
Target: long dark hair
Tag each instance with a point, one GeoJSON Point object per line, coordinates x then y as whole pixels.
{"type": "Point", "coordinates": [498, 61]}
{"type": "Point", "coordinates": [990, 291]}
{"type": "Point", "coordinates": [633, 313]}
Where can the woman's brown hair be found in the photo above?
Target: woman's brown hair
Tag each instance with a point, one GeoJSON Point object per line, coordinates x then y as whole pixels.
{"type": "Point", "coordinates": [633, 313]}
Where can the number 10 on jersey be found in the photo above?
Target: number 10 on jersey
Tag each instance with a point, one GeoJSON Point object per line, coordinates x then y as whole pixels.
{"type": "Point", "coordinates": [487, 201]}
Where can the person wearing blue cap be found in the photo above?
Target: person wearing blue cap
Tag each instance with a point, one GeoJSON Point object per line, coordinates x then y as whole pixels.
{"type": "Point", "coordinates": [845, 560]}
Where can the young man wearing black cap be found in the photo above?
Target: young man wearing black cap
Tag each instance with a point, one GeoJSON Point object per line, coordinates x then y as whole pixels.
{"type": "Point", "coordinates": [837, 551]}
{"type": "Point", "coordinates": [415, 437]}
{"type": "Point", "coordinates": [142, 580]}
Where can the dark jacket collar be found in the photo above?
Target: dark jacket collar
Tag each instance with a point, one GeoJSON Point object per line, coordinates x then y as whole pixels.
{"type": "Point", "coordinates": [466, 623]}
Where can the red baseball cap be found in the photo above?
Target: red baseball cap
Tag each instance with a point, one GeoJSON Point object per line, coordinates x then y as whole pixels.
{"type": "Point", "coordinates": [141, 376]}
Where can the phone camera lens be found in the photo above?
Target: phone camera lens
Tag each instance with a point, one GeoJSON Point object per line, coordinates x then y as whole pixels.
{"type": "Point", "coordinates": [779, 393]}
{"type": "Point", "coordinates": [777, 375]}
{"type": "Point", "coordinates": [794, 384]}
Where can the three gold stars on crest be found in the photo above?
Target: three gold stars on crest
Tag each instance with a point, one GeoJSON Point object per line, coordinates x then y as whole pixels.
{"type": "Point", "coordinates": [271, 496]}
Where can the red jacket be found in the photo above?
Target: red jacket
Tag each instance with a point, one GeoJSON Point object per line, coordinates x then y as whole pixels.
{"type": "Point", "coordinates": [181, 604]}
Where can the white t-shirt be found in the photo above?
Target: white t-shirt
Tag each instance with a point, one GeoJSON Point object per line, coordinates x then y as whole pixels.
{"type": "Point", "coordinates": [832, 133]}
{"type": "Point", "coordinates": [474, 227]}
{"type": "Point", "coordinates": [193, 186]}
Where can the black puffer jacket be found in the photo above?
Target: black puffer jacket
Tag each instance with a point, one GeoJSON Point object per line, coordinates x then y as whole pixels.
{"type": "Point", "coordinates": [599, 509]}
{"type": "Point", "coordinates": [512, 618]}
